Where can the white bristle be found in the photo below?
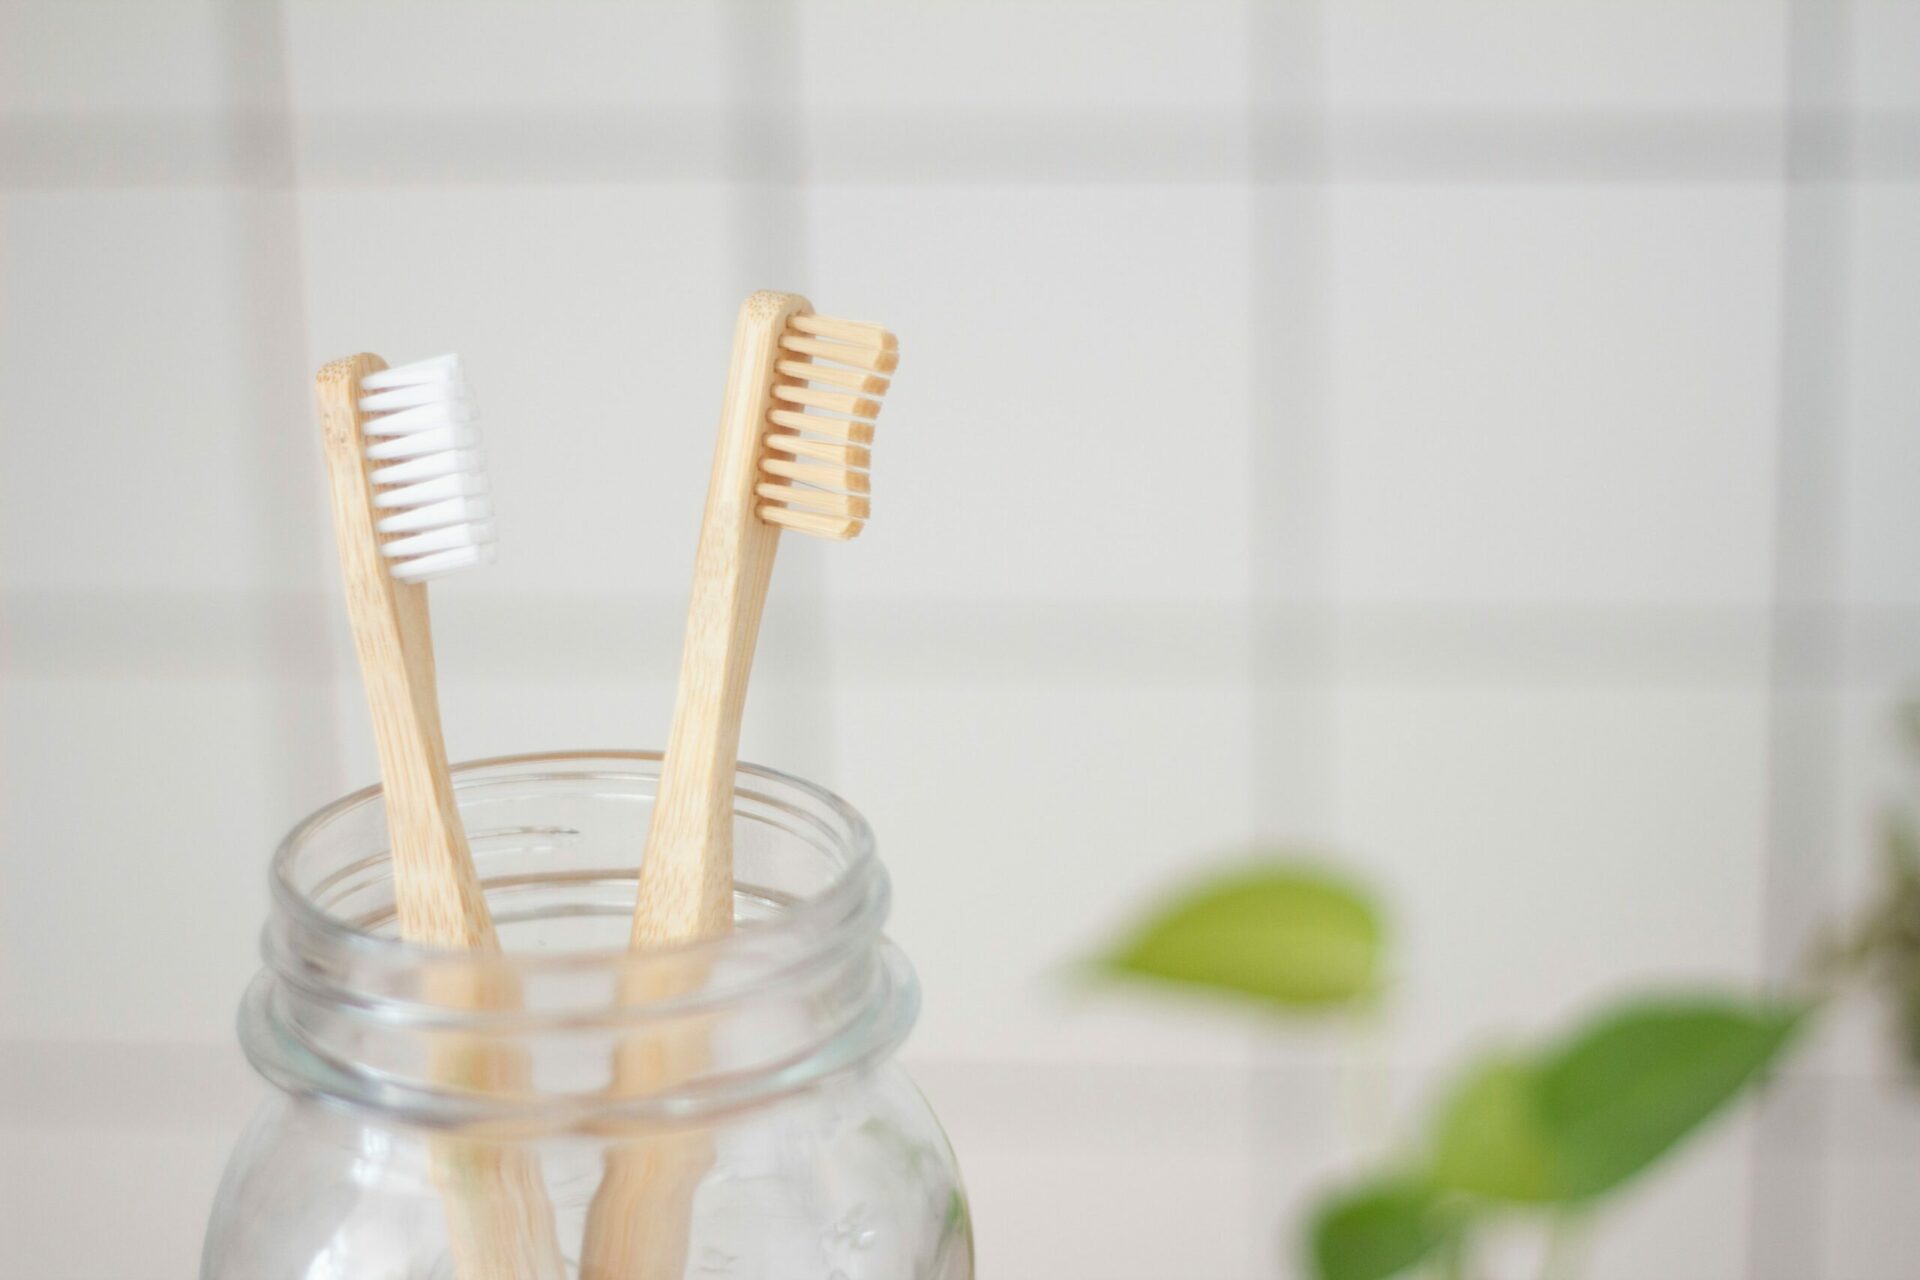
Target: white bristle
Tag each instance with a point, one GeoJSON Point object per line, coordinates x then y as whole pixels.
{"type": "Point", "coordinates": [421, 420]}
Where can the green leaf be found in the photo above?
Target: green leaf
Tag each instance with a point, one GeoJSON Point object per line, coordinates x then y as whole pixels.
{"type": "Point", "coordinates": [1584, 1116]}
{"type": "Point", "coordinates": [1377, 1231]}
{"type": "Point", "coordinates": [1284, 934]}
{"type": "Point", "coordinates": [1490, 1142]}
{"type": "Point", "coordinates": [1631, 1085]}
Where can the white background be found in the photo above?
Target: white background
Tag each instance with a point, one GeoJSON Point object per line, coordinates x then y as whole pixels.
{"type": "Point", "coordinates": [1473, 440]}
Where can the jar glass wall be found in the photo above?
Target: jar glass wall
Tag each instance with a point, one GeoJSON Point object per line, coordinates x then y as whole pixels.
{"type": "Point", "coordinates": [416, 1088]}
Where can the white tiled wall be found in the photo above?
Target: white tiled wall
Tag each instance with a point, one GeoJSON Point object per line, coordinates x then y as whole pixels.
{"type": "Point", "coordinates": [1554, 394]}
{"type": "Point", "coordinates": [1391, 431]}
{"type": "Point", "coordinates": [1081, 439]}
{"type": "Point", "coordinates": [116, 56]}
{"type": "Point", "coordinates": [1579, 55]}
{"type": "Point", "coordinates": [123, 377]}
{"type": "Point", "coordinates": [1882, 523]}
{"type": "Point", "coordinates": [362, 57]}
{"type": "Point", "coordinates": [1884, 41]}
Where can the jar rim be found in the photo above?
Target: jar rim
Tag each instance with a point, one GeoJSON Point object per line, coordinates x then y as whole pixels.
{"type": "Point", "coordinates": [334, 988]}
{"type": "Point", "coordinates": [838, 901]}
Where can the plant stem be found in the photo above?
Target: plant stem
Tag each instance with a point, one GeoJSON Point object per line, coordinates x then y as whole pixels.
{"type": "Point", "coordinates": [1365, 1085]}
{"type": "Point", "coordinates": [1453, 1257]}
{"type": "Point", "coordinates": [1565, 1254]}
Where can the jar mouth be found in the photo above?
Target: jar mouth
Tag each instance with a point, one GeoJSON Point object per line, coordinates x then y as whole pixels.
{"type": "Point", "coordinates": [859, 862]}
{"type": "Point", "coordinates": [805, 986]}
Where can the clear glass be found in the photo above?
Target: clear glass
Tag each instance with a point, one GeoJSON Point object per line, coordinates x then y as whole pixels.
{"type": "Point", "coordinates": [801, 1149]}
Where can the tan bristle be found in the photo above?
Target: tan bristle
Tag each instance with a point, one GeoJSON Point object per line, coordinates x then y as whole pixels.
{"type": "Point", "coordinates": [860, 357]}
{"type": "Point", "coordinates": [860, 335]}
{"type": "Point", "coordinates": [814, 473]}
{"type": "Point", "coordinates": [838, 376]}
{"type": "Point", "coordinates": [839, 428]}
{"type": "Point", "coordinates": [840, 455]}
{"type": "Point", "coordinates": [853, 380]}
{"type": "Point", "coordinates": [841, 527]}
{"type": "Point", "coordinates": [837, 504]}
{"type": "Point", "coordinates": [832, 401]}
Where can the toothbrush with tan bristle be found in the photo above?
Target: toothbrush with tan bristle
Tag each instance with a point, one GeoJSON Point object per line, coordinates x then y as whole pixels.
{"type": "Point", "coordinates": [795, 425]}
{"type": "Point", "coordinates": [801, 397]}
{"type": "Point", "coordinates": [410, 503]}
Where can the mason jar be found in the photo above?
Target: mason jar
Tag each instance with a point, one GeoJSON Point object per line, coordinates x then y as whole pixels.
{"type": "Point", "coordinates": [418, 1132]}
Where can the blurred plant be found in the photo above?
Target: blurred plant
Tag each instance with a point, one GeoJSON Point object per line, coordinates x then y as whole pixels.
{"type": "Point", "coordinates": [1546, 1132]}
{"type": "Point", "coordinates": [1880, 949]}
{"type": "Point", "coordinates": [1551, 1131]}
{"type": "Point", "coordinates": [1291, 936]}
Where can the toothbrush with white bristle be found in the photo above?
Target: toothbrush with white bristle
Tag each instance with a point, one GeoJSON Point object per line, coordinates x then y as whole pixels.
{"type": "Point", "coordinates": [433, 474]}
{"type": "Point", "coordinates": [411, 502]}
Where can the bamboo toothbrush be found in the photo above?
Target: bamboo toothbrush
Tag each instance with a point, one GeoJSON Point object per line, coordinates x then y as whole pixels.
{"type": "Point", "coordinates": [410, 502]}
{"type": "Point", "coordinates": [776, 466]}
{"type": "Point", "coordinates": [795, 425]}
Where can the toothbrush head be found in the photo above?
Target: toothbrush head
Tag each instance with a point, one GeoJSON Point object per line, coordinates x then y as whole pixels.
{"type": "Point", "coordinates": [433, 509]}
{"type": "Point", "coordinates": [829, 377]}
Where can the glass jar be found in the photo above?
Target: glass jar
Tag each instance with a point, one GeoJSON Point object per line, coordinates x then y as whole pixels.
{"type": "Point", "coordinates": [797, 1148]}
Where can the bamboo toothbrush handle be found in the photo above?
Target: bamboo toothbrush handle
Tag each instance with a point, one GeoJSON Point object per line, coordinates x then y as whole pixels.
{"type": "Point", "coordinates": [437, 893]}
{"type": "Point", "coordinates": [686, 878]}
{"type": "Point", "coordinates": [499, 1222]}
{"type": "Point", "coordinates": [639, 1223]}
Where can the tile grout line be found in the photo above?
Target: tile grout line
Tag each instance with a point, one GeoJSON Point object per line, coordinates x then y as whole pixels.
{"type": "Point", "coordinates": [768, 163]}
{"type": "Point", "coordinates": [1290, 552]}
{"type": "Point", "coordinates": [1250, 1159]}
{"type": "Point", "coordinates": [1444, 146]}
{"type": "Point", "coordinates": [270, 300]}
{"type": "Point", "coordinates": [188, 634]}
{"type": "Point", "coordinates": [1789, 1167]}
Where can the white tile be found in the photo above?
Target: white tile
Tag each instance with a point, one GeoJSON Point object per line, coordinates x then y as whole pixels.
{"type": "Point", "coordinates": [124, 392]}
{"type": "Point", "coordinates": [367, 56]}
{"type": "Point", "coordinates": [1006, 55]}
{"type": "Point", "coordinates": [139, 820]}
{"type": "Point", "coordinates": [143, 1125]}
{"type": "Point", "coordinates": [161, 1184]}
{"type": "Point", "coordinates": [1881, 443]}
{"type": "Point", "coordinates": [1543, 851]}
{"type": "Point", "coordinates": [85, 56]}
{"type": "Point", "coordinates": [1688, 55]}
{"type": "Point", "coordinates": [49, 1086]}
{"type": "Point", "coordinates": [1869, 1229]}
{"type": "Point", "coordinates": [595, 323]}
{"type": "Point", "coordinates": [1885, 49]}
{"type": "Point", "coordinates": [1121, 1173]}
{"type": "Point", "coordinates": [1557, 394]}
{"type": "Point", "coordinates": [1068, 421]}
{"type": "Point", "coordinates": [1025, 828]}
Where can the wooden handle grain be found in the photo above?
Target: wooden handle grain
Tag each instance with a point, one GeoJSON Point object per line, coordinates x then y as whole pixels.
{"type": "Point", "coordinates": [499, 1220]}
{"type": "Point", "coordinates": [686, 876]}
{"type": "Point", "coordinates": [641, 1216]}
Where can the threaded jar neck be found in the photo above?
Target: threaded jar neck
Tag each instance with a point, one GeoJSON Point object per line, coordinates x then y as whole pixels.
{"type": "Point", "coordinates": [805, 988]}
